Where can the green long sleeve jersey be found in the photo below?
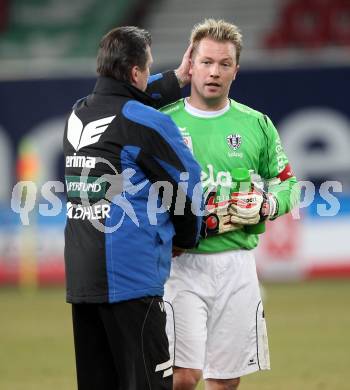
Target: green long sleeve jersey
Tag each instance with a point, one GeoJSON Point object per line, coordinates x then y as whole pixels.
{"type": "Point", "coordinates": [240, 137]}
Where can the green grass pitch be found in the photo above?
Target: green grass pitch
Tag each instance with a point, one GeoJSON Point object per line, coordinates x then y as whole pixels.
{"type": "Point", "coordinates": [308, 325]}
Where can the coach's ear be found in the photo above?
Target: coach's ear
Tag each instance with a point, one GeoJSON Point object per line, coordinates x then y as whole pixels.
{"type": "Point", "coordinates": [134, 75]}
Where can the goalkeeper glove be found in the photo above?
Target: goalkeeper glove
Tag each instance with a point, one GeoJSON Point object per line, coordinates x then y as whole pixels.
{"type": "Point", "coordinates": [217, 218]}
{"type": "Point", "coordinates": [252, 207]}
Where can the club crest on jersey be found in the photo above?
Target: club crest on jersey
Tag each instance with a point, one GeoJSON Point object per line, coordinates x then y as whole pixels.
{"type": "Point", "coordinates": [234, 141]}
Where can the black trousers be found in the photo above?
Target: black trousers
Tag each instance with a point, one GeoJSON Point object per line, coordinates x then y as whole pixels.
{"type": "Point", "coordinates": [122, 346]}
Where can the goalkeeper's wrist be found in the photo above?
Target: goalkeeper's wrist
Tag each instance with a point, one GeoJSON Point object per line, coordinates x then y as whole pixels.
{"type": "Point", "coordinates": [179, 78]}
{"type": "Point", "coordinates": [269, 208]}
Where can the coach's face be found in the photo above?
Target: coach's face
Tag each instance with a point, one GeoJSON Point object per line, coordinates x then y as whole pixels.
{"type": "Point", "coordinates": [213, 68]}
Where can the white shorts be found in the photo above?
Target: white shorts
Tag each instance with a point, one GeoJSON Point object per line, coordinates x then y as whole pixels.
{"type": "Point", "coordinates": [216, 323]}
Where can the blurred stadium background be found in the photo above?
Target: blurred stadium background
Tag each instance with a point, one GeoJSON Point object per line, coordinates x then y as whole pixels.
{"type": "Point", "coordinates": [295, 67]}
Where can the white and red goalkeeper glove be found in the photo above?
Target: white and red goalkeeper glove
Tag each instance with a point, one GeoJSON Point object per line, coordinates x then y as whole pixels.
{"type": "Point", "coordinates": [217, 218]}
{"type": "Point", "coordinates": [251, 207]}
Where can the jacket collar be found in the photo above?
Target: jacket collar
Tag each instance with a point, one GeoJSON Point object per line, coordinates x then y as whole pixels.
{"type": "Point", "coordinates": [109, 86]}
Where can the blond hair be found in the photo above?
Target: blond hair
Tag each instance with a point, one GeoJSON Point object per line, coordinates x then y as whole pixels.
{"type": "Point", "coordinates": [218, 30]}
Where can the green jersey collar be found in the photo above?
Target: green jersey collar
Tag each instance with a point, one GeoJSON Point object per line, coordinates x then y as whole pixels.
{"type": "Point", "coordinates": [205, 114]}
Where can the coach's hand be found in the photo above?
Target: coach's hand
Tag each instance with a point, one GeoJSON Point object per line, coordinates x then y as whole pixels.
{"type": "Point", "coordinates": [183, 71]}
{"type": "Point", "coordinates": [217, 218]}
{"type": "Point", "coordinates": [249, 208]}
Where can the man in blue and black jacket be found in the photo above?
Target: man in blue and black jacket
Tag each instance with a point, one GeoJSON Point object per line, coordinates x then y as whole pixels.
{"type": "Point", "coordinates": [134, 194]}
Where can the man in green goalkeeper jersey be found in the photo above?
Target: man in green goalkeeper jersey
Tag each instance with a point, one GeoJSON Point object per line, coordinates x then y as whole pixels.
{"type": "Point", "coordinates": [218, 316]}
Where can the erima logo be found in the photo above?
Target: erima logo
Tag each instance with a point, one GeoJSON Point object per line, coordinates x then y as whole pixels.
{"type": "Point", "coordinates": [166, 367]}
{"type": "Point", "coordinates": [161, 306]}
{"type": "Point", "coordinates": [80, 162]}
{"type": "Point", "coordinates": [77, 211]}
{"type": "Point", "coordinates": [80, 136]}
{"type": "Point", "coordinates": [252, 362]}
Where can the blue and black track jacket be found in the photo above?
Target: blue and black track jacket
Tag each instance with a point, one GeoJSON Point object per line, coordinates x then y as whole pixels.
{"type": "Point", "coordinates": [133, 190]}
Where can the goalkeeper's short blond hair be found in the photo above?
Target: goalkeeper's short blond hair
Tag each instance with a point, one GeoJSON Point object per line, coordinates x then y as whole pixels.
{"type": "Point", "coordinates": [217, 30]}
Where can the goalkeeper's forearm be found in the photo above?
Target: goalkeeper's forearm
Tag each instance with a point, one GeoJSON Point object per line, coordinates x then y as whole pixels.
{"type": "Point", "coordinates": [287, 194]}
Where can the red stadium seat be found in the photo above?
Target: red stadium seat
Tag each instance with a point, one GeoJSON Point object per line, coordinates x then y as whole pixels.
{"type": "Point", "coordinates": [303, 23]}
{"type": "Point", "coordinates": [339, 22]}
{"type": "Point", "coordinates": [3, 14]}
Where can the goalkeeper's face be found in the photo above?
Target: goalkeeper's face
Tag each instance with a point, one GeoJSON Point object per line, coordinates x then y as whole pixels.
{"type": "Point", "coordinates": [213, 68]}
